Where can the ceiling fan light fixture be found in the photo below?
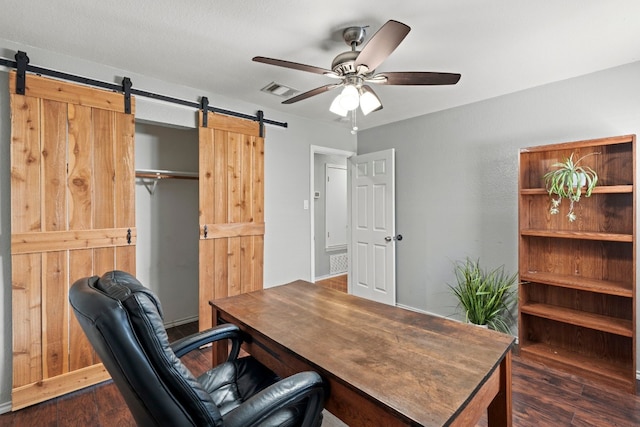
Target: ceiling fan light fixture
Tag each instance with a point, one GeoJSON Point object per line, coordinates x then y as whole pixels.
{"type": "Point", "coordinates": [369, 101]}
{"type": "Point", "coordinates": [336, 107]}
{"type": "Point", "coordinates": [355, 69]}
{"type": "Point", "coordinates": [350, 98]}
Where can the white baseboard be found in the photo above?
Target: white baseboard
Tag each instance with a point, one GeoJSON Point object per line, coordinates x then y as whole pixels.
{"type": "Point", "coordinates": [5, 407]}
{"type": "Point", "coordinates": [406, 307]}
{"type": "Point", "coordinates": [180, 322]}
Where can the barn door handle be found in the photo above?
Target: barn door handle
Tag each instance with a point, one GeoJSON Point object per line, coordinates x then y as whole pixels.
{"type": "Point", "coordinates": [206, 231]}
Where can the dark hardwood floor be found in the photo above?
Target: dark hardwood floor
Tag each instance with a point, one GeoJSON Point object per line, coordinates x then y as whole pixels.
{"type": "Point", "coordinates": [541, 397]}
{"type": "Point", "coordinates": [548, 397]}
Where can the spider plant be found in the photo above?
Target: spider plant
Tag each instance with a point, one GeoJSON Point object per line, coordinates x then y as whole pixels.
{"type": "Point", "coordinates": [569, 181]}
{"type": "Point", "coordinates": [486, 297]}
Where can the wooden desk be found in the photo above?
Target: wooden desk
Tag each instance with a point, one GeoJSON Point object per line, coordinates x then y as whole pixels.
{"type": "Point", "coordinates": [385, 366]}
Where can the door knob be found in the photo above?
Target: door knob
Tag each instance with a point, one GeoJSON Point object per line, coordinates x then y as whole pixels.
{"type": "Point", "coordinates": [389, 238]}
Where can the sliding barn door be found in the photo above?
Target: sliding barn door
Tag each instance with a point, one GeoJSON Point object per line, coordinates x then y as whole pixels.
{"type": "Point", "coordinates": [231, 209]}
{"type": "Point", "coordinates": [72, 215]}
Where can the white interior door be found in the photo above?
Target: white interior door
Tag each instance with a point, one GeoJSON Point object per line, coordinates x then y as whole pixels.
{"type": "Point", "coordinates": [373, 238]}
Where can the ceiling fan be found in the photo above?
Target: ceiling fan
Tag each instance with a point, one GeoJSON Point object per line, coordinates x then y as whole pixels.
{"type": "Point", "coordinates": [357, 68]}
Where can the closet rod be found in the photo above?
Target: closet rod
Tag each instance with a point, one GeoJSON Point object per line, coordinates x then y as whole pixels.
{"type": "Point", "coordinates": [164, 174]}
{"type": "Point", "coordinates": [119, 88]}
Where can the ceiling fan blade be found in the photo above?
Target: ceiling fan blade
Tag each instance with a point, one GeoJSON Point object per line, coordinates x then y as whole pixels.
{"type": "Point", "coordinates": [382, 44]}
{"type": "Point", "coordinates": [294, 66]}
{"type": "Point", "coordinates": [415, 78]}
{"type": "Point", "coordinates": [312, 92]}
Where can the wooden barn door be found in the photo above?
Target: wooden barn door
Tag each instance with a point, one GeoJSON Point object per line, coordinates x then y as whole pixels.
{"type": "Point", "coordinates": [231, 209]}
{"type": "Point", "coordinates": [72, 215]}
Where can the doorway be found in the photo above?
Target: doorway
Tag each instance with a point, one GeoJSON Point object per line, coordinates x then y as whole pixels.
{"type": "Point", "coordinates": [329, 213]}
{"type": "Point", "coordinates": [167, 215]}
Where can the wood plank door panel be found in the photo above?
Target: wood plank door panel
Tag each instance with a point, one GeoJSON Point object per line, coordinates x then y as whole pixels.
{"type": "Point", "coordinates": [72, 215]}
{"type": "Point", "coordinates": [231, 181]}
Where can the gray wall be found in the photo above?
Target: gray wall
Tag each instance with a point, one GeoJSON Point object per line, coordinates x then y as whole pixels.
{"type": "Point", "coordinates": [457, 172]}
{"type": "Point", "coordinates": [287, 173]}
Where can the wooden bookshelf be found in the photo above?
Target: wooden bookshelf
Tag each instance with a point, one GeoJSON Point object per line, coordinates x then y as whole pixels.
{"type": "Point", "coordinates": [577, 306]}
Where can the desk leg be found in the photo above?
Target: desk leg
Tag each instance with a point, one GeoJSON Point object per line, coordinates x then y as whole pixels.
{"type": "Point", "coordinates": [220, 349]}
{"type": "Point", "coordinates": [499, 411]}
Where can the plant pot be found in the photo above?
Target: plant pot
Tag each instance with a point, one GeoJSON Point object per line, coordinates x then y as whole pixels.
{"type": "Point", "coordinates": [485, 326]}
{"type": "Point", "coordinates": [580, 179]}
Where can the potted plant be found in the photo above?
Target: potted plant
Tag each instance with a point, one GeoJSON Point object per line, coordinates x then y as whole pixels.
{"type": "Point", "coordinates": [568, 181]}
{"type": "Point", "coordinates": [486, 297]}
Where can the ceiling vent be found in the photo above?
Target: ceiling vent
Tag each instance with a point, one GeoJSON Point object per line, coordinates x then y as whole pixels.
{"type": "Point", "coordinates": [279, 90]}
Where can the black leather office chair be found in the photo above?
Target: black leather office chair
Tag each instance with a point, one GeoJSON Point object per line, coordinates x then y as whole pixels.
{"type": "Point", "coordinates": [123, 321]}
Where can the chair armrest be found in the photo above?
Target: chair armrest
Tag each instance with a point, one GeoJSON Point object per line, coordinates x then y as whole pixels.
{"type": "Point", "coordinates": [217, 333]}
{"type": "Point", "coordinates": [286, 393]}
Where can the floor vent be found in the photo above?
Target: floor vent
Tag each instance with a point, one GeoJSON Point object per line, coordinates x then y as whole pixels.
{"type": "Point", "coordinates": [338, 263]}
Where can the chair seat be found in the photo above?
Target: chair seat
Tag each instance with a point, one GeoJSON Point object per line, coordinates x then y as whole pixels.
{"type": "Point", "coordinates": [231, 383]}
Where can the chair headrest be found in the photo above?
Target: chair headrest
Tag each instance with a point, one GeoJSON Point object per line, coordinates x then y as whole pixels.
{"type": "Point", "coordinates": [121, 285]}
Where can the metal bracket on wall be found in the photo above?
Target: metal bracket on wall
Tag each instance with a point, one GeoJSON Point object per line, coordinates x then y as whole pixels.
{"type": "Point", "coordinates": [204, 104]}
{"type": "Point", "coordinates": [260, 116]}
{"type": "Point", "coordinates": [22, 60]}
{"type": "Point", "coordinates": [126, 88]}
{"type": "Point", "coordinates": [150, 185]}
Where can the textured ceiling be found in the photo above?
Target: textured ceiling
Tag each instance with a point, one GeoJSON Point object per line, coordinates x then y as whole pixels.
{"type": "Point", "coordinates": [499, 46]}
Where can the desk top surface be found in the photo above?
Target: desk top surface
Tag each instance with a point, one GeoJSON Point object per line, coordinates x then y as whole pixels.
{"type": "Point", "coordinates": [426, 367]}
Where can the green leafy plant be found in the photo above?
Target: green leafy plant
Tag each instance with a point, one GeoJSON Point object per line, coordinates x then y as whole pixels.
{"type": "Point", "coordinates": [568, 181]}
{"type": "Point", "coordinates": [486, 297]}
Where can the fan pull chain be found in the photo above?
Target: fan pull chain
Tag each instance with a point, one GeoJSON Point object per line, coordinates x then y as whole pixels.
{"type": "Point", "coordinates": [354, 126]}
